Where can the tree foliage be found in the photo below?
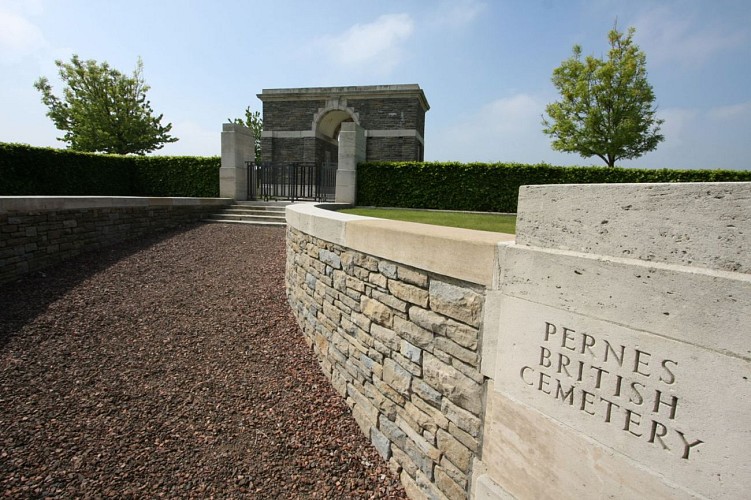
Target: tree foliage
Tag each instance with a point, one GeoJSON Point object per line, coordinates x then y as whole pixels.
{"type": "Point", "coordinates": [254, 122]}
{"type": "Point", "coordinates": [606, 107]}
{"type": "Point", "coordinates": [104, 110]}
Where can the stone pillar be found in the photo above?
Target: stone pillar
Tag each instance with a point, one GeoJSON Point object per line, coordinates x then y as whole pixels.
{"type": "Point", "coordinates": [238, 146]}
{"type": "Point", "coordinates": [351, 152]}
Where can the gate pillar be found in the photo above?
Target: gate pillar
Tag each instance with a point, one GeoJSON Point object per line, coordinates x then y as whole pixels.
{"type": "Point", "coordinates": [351, 152]}
{"type": "Point", "coordinates": [238, 146]}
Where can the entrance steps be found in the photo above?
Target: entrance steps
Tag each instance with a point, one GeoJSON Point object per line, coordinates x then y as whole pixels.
{"type": "Point", "coordinates": [268, 213]}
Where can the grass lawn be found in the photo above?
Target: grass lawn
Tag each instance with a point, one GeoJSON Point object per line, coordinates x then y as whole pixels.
{"type": "Point", "coordinates": [482, 222]}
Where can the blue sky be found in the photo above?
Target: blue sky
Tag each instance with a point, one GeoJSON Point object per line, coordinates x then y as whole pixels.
{"type": "Point", "coordinates": [485, 66]}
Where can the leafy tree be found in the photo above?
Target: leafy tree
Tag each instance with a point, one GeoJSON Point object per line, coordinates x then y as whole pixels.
{"type": "Point", "coordinates": [103, 110]}
{"type": "Point", "coordinates": [255, 124]}
{"type": "Point", "coordinates": [606, 107]}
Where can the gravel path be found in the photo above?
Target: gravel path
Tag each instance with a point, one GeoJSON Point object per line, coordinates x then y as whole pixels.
{"type": "Point", "coordinates": [172, 367]}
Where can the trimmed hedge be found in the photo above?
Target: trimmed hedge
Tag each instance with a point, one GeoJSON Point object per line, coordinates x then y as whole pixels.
{"type": "Point", "coordinates": [192, 176]}
{"type": "Point", "coordinates": [26, 170]}
{"type": "Point", "coordinates": [494, 187]}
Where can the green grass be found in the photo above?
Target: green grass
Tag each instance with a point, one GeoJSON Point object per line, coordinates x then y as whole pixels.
{"type": "Point", "coordinates": [482, 222]}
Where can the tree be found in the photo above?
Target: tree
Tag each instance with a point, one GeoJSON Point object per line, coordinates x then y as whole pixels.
{"type": "Point", "coordinates": [103, 110]}
{"type": "Point", "coordinates": [255, 124]}
{"type": "Point", "coordinates": [606, 107]}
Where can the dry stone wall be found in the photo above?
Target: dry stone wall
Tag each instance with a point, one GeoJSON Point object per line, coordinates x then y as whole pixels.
{"type": "Point", "coordinates": [401, 345]}
{"type": "Point", "coordinates": [39, 232]}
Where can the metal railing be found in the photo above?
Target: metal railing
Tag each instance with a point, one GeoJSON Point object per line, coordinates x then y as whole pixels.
{"type": "Point", "coordinates": [291, 181]}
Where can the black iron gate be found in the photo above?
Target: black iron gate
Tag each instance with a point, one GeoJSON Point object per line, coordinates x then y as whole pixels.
{"type": "Point", "coordinates": [292, 181]}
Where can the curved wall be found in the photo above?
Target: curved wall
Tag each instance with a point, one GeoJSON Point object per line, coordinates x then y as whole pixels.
{"type": "Point", "coordinates": [394, 311]}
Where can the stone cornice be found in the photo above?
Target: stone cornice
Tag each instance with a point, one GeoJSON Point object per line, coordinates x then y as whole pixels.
{"type": "Point", "coordinates": [353, 92]}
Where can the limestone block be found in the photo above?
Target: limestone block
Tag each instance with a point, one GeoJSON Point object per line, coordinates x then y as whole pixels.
{"type": "Point", "coordinates": [677, 408]}
{"type": "Point", "coordinates": [473, 444]}
{"type": "Point", "coordinates": [411, 332]}
{"type": "Point", "coordinates": [447, 485]}
{"type": "Point", "coordinates": [423, 463]}
{"type": "Point", "coordinates": [412, 277]}
{"type": "Point", "coordinates": [385, 406]}
{"type": "Point", "coordinates": [392, 431]}
{"type": "Point", "coordinates": [409, 470]}
{"type": "Point", "coordinates": [409, 293]}
{"type": "Point", "coordinates": [456, 351]}
{"type": "Point", "coordinates": [459, 477]}
{"type": "Point", "coordinates": [411, 352]}
{"type": "Point", "coordinates": [462, 418]}
{"type": "Point", "coordinates": [658, 298]}
{"type": "Point", "coordinates": [340, 280]}
{"type": "Point", "coordinates": [355, 284]}
{"type": "Point", "coordinates": [424, 391]}
{"type": "Point", "coordinates": [376, 312]}
{"type": "Point", "coordinates": [422, 419]}
{"type": "Point", "coordinates": [457, 387]}
{"type": "Point", "coordinates": [435, 413]}
{"type": "Point", "coordinates": [487, 489]}
{"type": "Point", "coordinates": [456, 302]}
{"type": "Point", "coordinates": [389, 300]}
{"type": "Point", "coordinates": [464, 335]}
{"type": "Point", "coordinates": [366, 261]}
{"type": "Point", "coordinates": [352, 304]}
{"type": "Point", "coordinates": [387, 269]}
{"type": "Point", "coordinates": [386, 336]}
{"type": "Point", "coordinates": [363, 419]}
{"type": "Point", "coordinates": [381, 443]}
{"type": "Point", "coordinates": [361, 321]}
{"type": "Point", "coordinates": [396, 376]}
{"type": "Point", "coordinates": [523, 451]}
{"type": "Point", "coordinates": [413, 368]}
{"type": "Point", "coordinates": [456, 452]}
{"type": "Point", "coordinates": [364, 340]}
{"type": "Point", "coordinates": [388, 391]}
{"type": "Point", "coordinates": [459, 253]}
{"type": "Point", "coordinates": [427, 487]}
{"type": "Point", "coordinates": [364, 403]}
{"type": "Point", "coordinates": [426, 449]}
{"type": "Point", "coordinates": [378, 280]}
{"type": "Point", "coordinates": [642, 221]}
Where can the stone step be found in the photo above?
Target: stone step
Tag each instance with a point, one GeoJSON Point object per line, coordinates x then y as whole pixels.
{"type": "Point", "coordinates": [250, 212]}
{"type": "Point", "coordinates": [246, 218]}
{"type": "Point", "coordinates": [250, 223]}
{"type": "Point", "coordinates": [253, 211]}
{"type": "Point", "coordinates": [265, 208]}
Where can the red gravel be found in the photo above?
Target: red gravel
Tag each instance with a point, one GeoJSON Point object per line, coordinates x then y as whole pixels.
{"type": "Point", "coordinates": [172, 367]}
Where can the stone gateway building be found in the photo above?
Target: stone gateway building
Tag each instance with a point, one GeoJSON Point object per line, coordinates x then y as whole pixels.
{"type": "Point", "coordinates": [328, 130]}
{"type": "Point", "coordinates": [305, 124]}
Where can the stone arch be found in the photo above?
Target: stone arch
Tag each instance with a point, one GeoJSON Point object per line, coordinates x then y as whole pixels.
{"type": "Point", "coordinates": [328, 120]}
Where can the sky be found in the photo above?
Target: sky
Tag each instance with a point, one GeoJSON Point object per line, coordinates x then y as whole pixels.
{"type": "Point", "coordinates": [485, 66]}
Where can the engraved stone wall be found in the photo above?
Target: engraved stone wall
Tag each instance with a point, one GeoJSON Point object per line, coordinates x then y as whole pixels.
{"type": "Point", "coordinates": [614, 363]}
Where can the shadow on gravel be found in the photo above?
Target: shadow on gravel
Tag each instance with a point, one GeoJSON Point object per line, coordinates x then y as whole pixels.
{"type": "Point", "coordinates": [21, 301]}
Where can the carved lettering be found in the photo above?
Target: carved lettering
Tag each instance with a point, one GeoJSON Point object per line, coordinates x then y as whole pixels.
{"type": "Point", "coordinates": [614, 383]}
{"type": "Point", "coordinates": [687, 446]}
{"type": "Point", "coordinates": [641, 359]}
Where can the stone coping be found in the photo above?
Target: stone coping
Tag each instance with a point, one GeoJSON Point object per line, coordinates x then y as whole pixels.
{"type": "Point", "coordinates": [463, 254]}
{"type": "Point", "coordinates": [361, 91]}
{"type": "Point", "coordinates": [26, 203]}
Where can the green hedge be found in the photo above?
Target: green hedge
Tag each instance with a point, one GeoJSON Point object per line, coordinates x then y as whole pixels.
{"type": "Point", "coordinates": [495, 187]}
{"type": "Point", "coordinates": [177, 176]}
{"type": "Point", "coordinates": [26, 170]}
